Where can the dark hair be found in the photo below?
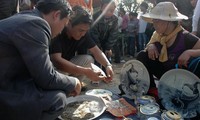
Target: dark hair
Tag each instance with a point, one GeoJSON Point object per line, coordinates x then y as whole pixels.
{"type": "Point", "coordinates": [34, 1]}
{"type": "Point", "coordinates": [133, 14]}
{"type": "Point", "coordinates": [175, 22]}
{"type": "Point", "coordinates": [144, 4]}
{"type": "Point", "coordinates": [122, 10]}
{"type": "Point", "coordinates": [81, 15]}
{"type": "Point", "coordinates": [47, 6]}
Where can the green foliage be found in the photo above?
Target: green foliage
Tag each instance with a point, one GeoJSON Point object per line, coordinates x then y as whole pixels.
{"type": "Point", "coordinates": [129, 5]}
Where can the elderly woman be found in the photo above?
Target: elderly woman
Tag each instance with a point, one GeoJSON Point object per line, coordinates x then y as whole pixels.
{"type": "Point", "coordinates": [170, 44]}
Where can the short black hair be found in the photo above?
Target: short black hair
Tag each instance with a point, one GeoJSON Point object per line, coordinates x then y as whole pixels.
{"type": "Point", "coordinates": [144, 4]}
{"type": "Point", "coordinates": [81, 15]}
{"type": "Point", "coordinates": [133, 14]}
{"type": "Point", "coordinates": [47, 6]}
{"type": "Point", "coordinates": [34, 1]}
{"type": "Point", "coordinates": [122, 10]}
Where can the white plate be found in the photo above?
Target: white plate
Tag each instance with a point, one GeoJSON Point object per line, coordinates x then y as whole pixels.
{"type": "Point", "coordinates": [179, 90]}
{"type": "Point", "coordinates": [134, 79]}
{"type": "Point", "coordinates": [99, 92]}
{"type": "Point", "coordinates": [101, 105]}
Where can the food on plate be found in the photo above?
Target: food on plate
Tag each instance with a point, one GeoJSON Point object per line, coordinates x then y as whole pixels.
{"type": "Point", "coordinates": [81, 110]}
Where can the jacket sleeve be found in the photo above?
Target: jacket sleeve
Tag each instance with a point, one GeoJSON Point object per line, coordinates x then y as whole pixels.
{"type": "Point", "coordinates": [94, 34]}
{"type": "Point", "coordinates": [32, 41]}
{"type": "Point", "coordinates": [112, 35]}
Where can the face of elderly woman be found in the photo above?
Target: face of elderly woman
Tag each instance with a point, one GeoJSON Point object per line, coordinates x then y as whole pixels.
{"type": "Point", "coordinates": [160, 25]}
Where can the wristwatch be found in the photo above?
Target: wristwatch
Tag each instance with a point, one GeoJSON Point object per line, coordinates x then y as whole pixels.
{"type": "Point", "coordinates": [108, 64]}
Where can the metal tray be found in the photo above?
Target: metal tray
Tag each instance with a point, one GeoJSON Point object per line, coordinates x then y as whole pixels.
{"type": "Point", "coordinates": [101, 105]}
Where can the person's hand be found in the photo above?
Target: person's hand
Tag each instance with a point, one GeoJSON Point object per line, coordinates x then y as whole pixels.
{"type": "Point", "coordinates": [110, 73]}
{"type": "Point", "coordinates": [94, 75]}
{"type": "Point", "coordinates": [77, 89]}
{"type": "Point", "coordinates": [183, 59]}
{"type": "Point", "coordinates": [108, 53]}
{"type": "Point", "coordinates": [152, 52]}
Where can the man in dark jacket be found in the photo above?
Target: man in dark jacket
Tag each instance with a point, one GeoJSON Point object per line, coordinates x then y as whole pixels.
{"type": "Point", "coordinates": [30, 88]}
{"type": "Point", "coordinates": [104, 30]}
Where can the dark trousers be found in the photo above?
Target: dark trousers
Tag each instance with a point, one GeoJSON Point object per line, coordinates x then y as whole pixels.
{"type": "Point", "coordinates": [53, 104]}
{"type": "Point", "coordinates": [154, 67]}
{"type": "Point", "coordinates": [131, 45]}
{"type": "Point", "coordinates": [117, 49]}
{"type": "Point", "coordinates": [157, 69]}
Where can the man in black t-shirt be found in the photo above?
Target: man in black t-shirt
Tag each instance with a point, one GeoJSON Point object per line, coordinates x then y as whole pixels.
{"type": "Point", "coordinates": [75, 38]}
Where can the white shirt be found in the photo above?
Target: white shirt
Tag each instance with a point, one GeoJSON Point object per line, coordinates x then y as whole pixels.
{"type": "Point", "coordinates": [142, 24]}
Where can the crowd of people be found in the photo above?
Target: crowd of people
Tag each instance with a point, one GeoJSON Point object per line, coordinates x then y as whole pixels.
{"type": "Point", "coordinates": [47, 47]}
{"type": "Point", "coordinates": [145, 29]}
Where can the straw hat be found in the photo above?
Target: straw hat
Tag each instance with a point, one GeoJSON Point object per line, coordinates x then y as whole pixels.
{"type": "Point", "coordinates": [164, 11]}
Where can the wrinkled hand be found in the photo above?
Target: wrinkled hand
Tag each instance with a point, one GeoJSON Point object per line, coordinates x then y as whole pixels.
{"type": "Point", "coordinates": [183, 59]}
{"type": "Point", "coordinates": [152, 52]}
{"type": "Point", "coordinates": [110, 73]}
{"type": "Point", "coordinates": [77, 89]}
{"type": "Point", "coordinates": [108, 53]}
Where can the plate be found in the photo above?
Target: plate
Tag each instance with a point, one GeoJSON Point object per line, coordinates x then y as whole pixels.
{"type": "Point", "coordinates": [99, 92]}
{"type": "Point", "coordinates": [134, 79]}
{"type": "Point", "coordinates": [179, 90]}
{"type": "Point", "coordinates": [96, 106]}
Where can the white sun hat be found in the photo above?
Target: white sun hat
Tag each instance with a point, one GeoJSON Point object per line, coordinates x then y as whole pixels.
{"type": "Point", "coordinates": [164, 11]}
